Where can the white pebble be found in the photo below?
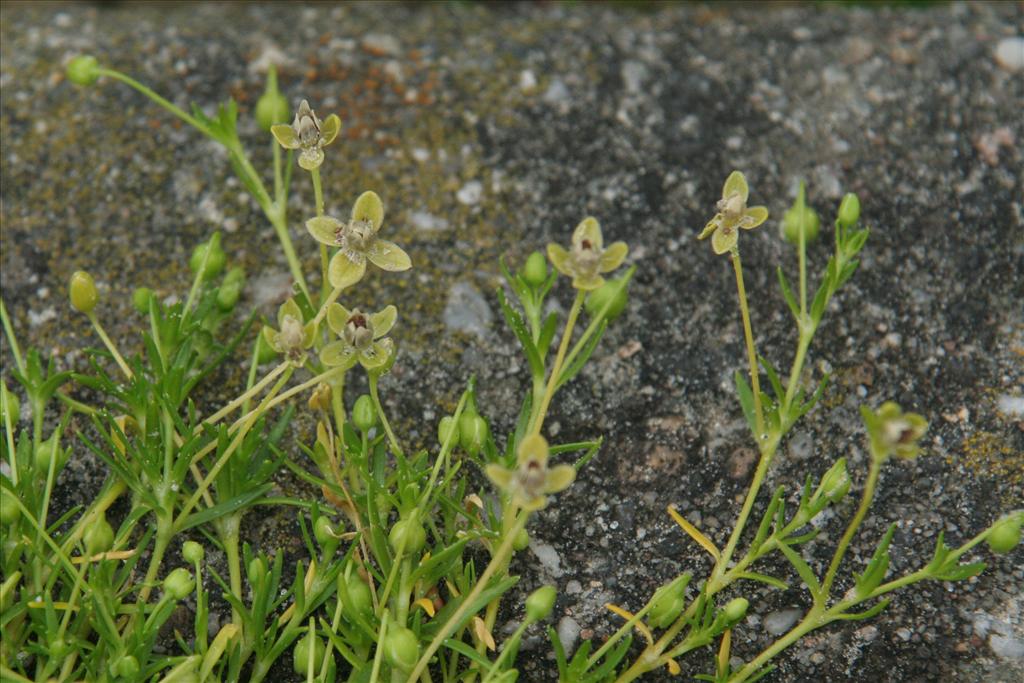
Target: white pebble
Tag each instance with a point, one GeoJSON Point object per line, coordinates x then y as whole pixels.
{"type": "Point", "coordinates": [470, 193]}
{"type": "Point", "coordinates": [1010, 54]}
{"type": "Point", "coordinates": [779, 622]}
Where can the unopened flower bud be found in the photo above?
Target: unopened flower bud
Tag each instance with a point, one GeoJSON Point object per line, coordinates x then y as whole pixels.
{"type": "Point", "coordinates": [178, 584]}
{"type": "Point", "coordinates": [141, 298]}
{"type": "Point", "coordinates": [521, 541]}
{"type": "Point", "coordinates": [320, 399]}
{"type": "Point", "coordinates": [257, 570]}
{"type": "Point", "coordinates": [364, 413]}
{"type": "Point", "coordinates": [472, 432]}
{"type": "Point", "coordinates": [401, 648]}
{"type": "Point", "coordinates": [9, 510]}
{"type": "Point", "coordinates": [230, 289]}
{"type": "Point", "coordinates": [324, 532]}
{"type": "Point", "coordinates": [272, 107]}
{"type": "Point", "coordinates": [301, 653]}
{"type": "Point", "coordinates": [82, 291]}
{"type": "Point", "coordinates": [849, 210]}
{"type": "Point", "coordinates": [836, 482]}
{"type": "Point", "coordinates": [540, 603]}
{"type": "Point", "coordinates": [98, 536]}
{"type": "Point", "coordinates": [212, 254]}
{"type": "Point", "coordinates": [535, 270]}
{"type": "Point", "coordinates": [83, 70]}
{"type": "Point", "coordinates": [10, 406]}
{"type": "Point", "coordinates": [192, 552]}
{"type": "Point", "coordinates": [736, 609]}
{"type": "Point", "coordinates": [613, 294]}
{"type": "Point", "coordinates": [448, 431]}
{"type": "Point", "coordinates": [1005, 534]}
{"type": "Point", "coordinates": [799, 217]}
{"type": "Point", "coordinates": [407, 533]}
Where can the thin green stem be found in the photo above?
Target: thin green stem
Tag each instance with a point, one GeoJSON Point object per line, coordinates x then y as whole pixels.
{"type": "Point", "coordinates": [751, 352]}
{"type": "Point", "coordinates": [505, 651]}
{"type": "Point", "coordinates": [322, 377]}
{"type": "Point", "coordinates": [151, 94]}
{"type": "Point", "coordinates": [110, 346]}
{"type": "Point", "coordinates": [11, 339]}
{"type": "Point", "coordinates": [253, 390]}
{"type": "Point", "coordinates": [383, 418]}
{"type": "Point", "coordinates": [497, 560]}
{"type": "Point", "coordinates": [229, 537]}
{"type": "Point", "coordinates": [549, 391]}
{"type": "Point", "coordinates": [279, 198]}
{"type": "Point", "coordinates": [862, 510]}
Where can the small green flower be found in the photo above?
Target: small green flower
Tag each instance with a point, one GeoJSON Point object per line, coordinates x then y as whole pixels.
{"type": "Point", "coordinates": [357, 242]}
{"type": "Point", "coordinates": [530, 482]}
{"type": "Point", "coordinates": [309, 134]}
{"type": "Point", "coordinates": [893, 432]}
{"type": "Point", "coordinates": [292, 338]}
{"type": "Point", "coordinates": [587, 258]}
{"type": "Point", "coordinates": [732, 214]}
{"type": "Point", "coordinates": [362, 337]}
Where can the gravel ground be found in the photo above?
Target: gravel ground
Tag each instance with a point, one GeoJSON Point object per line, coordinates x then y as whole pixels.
{"type": "Point", "coordinates": [492, 129]}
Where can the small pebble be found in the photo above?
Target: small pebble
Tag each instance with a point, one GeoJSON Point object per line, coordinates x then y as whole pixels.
{"type": "Point", "coordinates": [781, 621]}
{"type": "Point", "coordinates": [1007, 647]}
{"type": "Point", "coordinates": [568, 633]}
{"type": "Point", "coordinates": [1010, 54]}
{"type": "Point", "coordinates": [470, 193]}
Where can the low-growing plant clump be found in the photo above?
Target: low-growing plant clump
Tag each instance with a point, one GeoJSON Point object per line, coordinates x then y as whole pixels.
{"type": "Point", "coordinates": [407, 556]}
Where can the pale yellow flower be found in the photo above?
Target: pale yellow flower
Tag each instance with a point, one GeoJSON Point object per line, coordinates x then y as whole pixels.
{"type": "Point", "coordinates": [362, 337]}
{"type": "Point", "coordinates": [587, 258]}
{"type": "Point", "coordinates": [530, 482]}
{"type": "Point", "coordinates": [292, 338]}
{"type": "Point", "coordinates": [732, 215]}
{"type": "Point", "coordinates": [309, 134]}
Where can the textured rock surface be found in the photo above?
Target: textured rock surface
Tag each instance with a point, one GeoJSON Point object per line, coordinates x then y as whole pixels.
{"type": "Point", "coordinates": [504, 126]}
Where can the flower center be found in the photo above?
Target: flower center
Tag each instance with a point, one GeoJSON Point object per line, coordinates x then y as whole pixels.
{"type": "Point", "coordinates": [358, 330]}
{"type": "Point", "coordinates": [732, 207]}
{"type": "Point", "coordinates": [358, 235]}
{"type": "Point", "coordinates": [292, 336]}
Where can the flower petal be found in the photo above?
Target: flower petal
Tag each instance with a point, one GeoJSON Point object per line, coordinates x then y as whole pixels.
{"type": "Point", "coordinates": [324, 229]}
{"type": "Point", "coordinates": [270, 335]}
{"type": "Point", "coordinates": [712, 225]}
{"type": "Point", "coordinates": [388, 256]}
{"type": "Point", "coordinates": [530, 504]}
{"type": "Point", "coordinates": [613, 256]}
{"type": "Point", "coordinates": [533, 448]}
{"type": "Point", "coordinates": [588, 229]}
{"type": "Point", "coordinates": [377, 354]}
{"type": "Point", "coordinates": [338, 354]}
{"type": "Point", "coordinates": [724, 239]}
{"type": "Point", "coordinates": [559, 477]}
{"type": "Point", "coordinates": [288, 308]}
{"type": "Point", "coordinates": [587, 283]}
{"type": "Point", "coordinates": [753, 217]}
{"type": "Point", "coordinates": [329, 129]}
{"type": "Point", "coordinates": [736, 183]}
{"type": "Point", "coordinates": [343, 272]}
{"type": "Point", "coordinates": [285, 136]}
{"type": "Point", "coordinates": [559, 258]}
{"type": "Point", "coordinates": [311, 158]}
{"type": "Point", "coordinates": [308, 334]}
{"type": "Point", "coordinates": [501, 476]}
{"type": "Point", "coordinates": [368, 207]}
{"type": "Point", "coordinates": [337, 318]}
{"type": "Point", "coordinates": [383, 321]}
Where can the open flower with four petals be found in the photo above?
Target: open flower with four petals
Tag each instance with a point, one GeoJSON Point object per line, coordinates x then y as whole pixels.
{"type": "Point", "coordinates": [733, 214]}
{"type": "Point", "coordinates": [357, 242]}
{"type": "Point", "coordinates": [587, 258]}
{"type": "Point", "coordinates": [362, 337]}
{"type": "Point", "coordinates": [292, 338]}
{"type": "Point", "coordinates": [532, 480]}
{"type": "Point", "coordinates": [309, 134]}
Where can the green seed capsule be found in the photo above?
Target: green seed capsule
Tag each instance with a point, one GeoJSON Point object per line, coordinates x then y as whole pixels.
{"type": "Point", "coordinates": [607, 294]}
{"type": "Point", "coordinates": [355, 595]}
{"type": "Point", "coordinates": [522, 540]}
{"type": "Point", "coordinates": [126, 667]}
{"type": "Point", "coordinates": [535, 270]}
{"type": "Point", "coordinates": [364, 414]}
{"type": "Point", "coordinates": [736, 609]}
{"type": "Point", "coordinates": [9, 510]}
{"type": "Point", "coordinates": [799, 216]}
{"type": "Point", "coordinates": [401, 648]}
{"type": "Point", "coordinates": [411, 533]}
{"type": "Point", "coordinates": [540, 603]}
{"type": "Point", "coordinates": [849, 210]}
{"type": "Point", "coordinates": [323, 531]}
{"type": "Point", "coordinates": [141, 298]}
{"type": "Point", "coordinates": [213, 255]}
{"type": "Point", "coordinates": [83, 70]}
{"type": "Point", "coordinates": [257, 570]}
{"type": "Point", "coordinates": [472, 432]}
{"type": "Point", "coordinates": [272, 107]}
{"type": "Point", "coordinates": [192, 552]}
{"type": "Point", "coordinates": [178, 583]}
{"type": "Point", "coordinates": [98, 537]}
{"type": "Point", "coordinates": [10, 406]}
{"type": "Point", "coordinates": [49, 449]}
{"type": "Point", "coordinates": [448, 431]}
{"type": "Point", "coordinates": [230, 289]}
{"type": "Point", "coordinates": [300, 655]}
{"type": "Point", "coordinates": [82, 291]}
{"type": "Point", "coordinates": [836, 482]}
{"type": "Point", "coordinates": [1005, 534]}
